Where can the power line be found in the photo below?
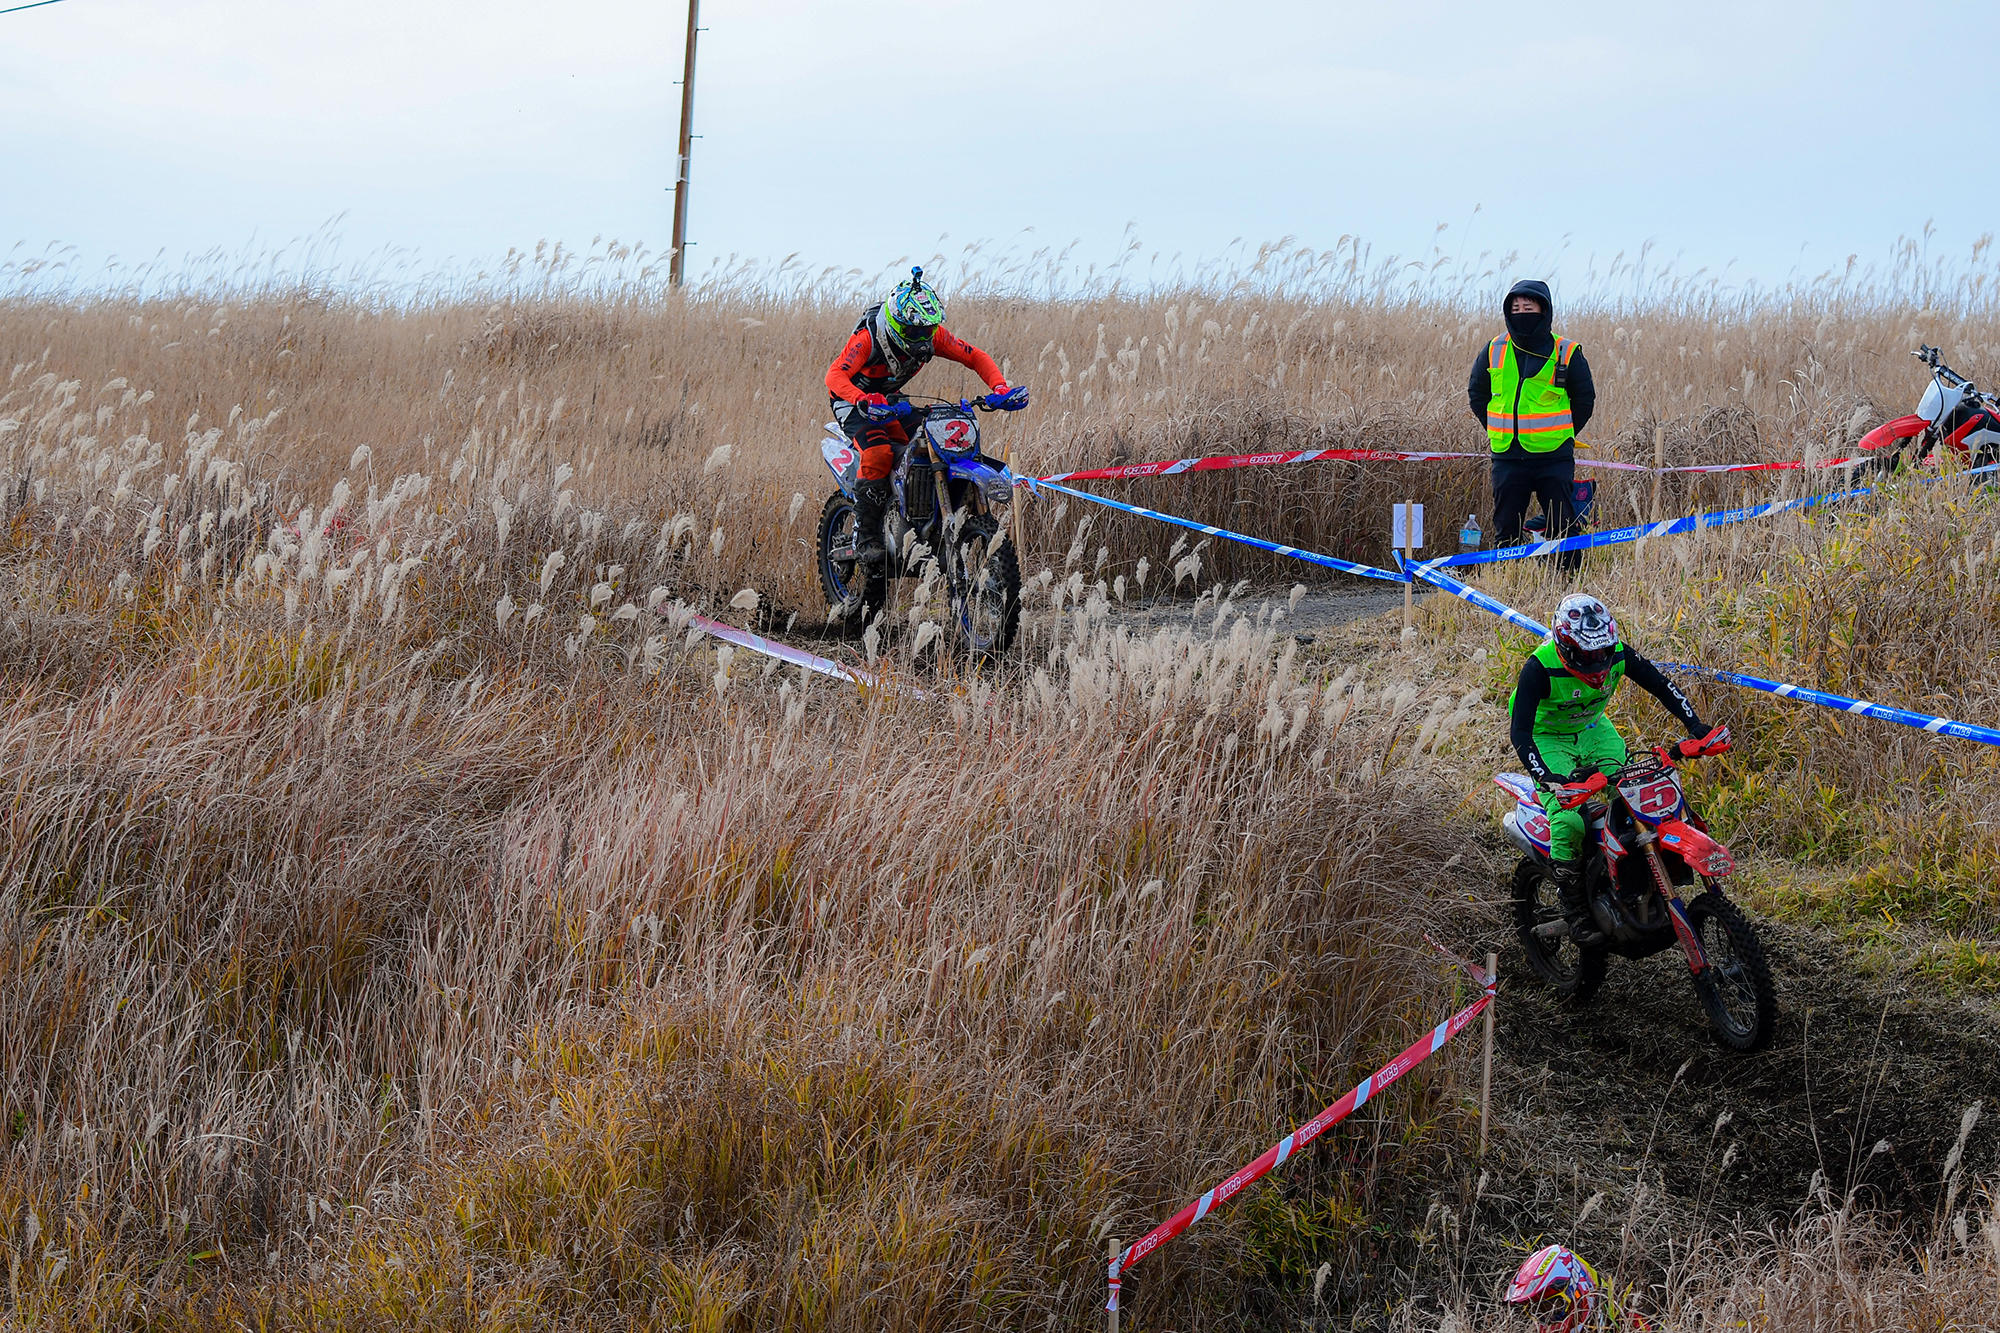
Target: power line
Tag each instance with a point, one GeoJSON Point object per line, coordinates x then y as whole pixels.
{"type": "Point", "coordinates": [37, 5]}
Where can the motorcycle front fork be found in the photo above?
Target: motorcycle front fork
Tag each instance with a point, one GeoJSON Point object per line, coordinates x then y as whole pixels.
{"type": "Point", "coordinates": [948, 524]}
{"type": "Point", "coordinates": [1663, 883]}
{"type": "Point", "coordinates": [1683, 928]}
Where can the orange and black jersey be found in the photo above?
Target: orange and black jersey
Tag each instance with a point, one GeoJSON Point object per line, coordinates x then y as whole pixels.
{"type": "Point", "coordinates": [863, 367]}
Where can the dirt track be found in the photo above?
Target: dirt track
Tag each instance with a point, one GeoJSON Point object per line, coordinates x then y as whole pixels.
{"type": "Point", "coordinates": [1688, 1144]}
{"type": "Point", "coordinates": [1625, 1103]}
{"type": "Point", "coordinates": [1851, 1068]}
{"type": "Point", "coordinates": [1319, 610]}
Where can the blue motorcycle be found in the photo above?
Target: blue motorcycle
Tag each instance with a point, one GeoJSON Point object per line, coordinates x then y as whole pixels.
{"type": "Point", "coordinates": [949, 516]}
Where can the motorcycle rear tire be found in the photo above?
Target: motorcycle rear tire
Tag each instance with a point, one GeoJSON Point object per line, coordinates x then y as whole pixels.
{"type": "Point", "coordinates": [837, 578]}
{"type": "Point", "coordinates": [1748, 1023]}
{"type": "Point", "coordinates": [1573, 972]}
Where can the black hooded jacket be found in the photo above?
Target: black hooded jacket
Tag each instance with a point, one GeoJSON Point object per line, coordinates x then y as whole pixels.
{"type": "Point", "coordinates": [1534, 341]}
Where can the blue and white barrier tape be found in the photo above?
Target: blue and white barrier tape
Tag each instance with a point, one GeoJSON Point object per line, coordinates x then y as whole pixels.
{"type": "Point", "coordinates": [1667, 527]}
{"type": "Point", "coordinates": [1937, 726]}
{"type": "Point", "coordinates": [1616, 536]}
{"type": "Point", "coordinates": [1966, 472]}
{"type": "Point", "coordinates": [1275, 548]}
{"type": "Point", "coordinates": [1476, 597]}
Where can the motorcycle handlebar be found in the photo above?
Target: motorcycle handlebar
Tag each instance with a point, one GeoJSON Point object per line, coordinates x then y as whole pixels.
{"type": "Point", "coordinates": [1670, 756]}
{"type": "Point", "coordinates": [1934, 358]}
{"type": "Point", "coordinates": [921, 406]}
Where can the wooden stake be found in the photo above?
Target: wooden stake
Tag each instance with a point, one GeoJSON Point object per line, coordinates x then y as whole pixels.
{"type": "Point", "coordinates": [1019, 515]}
{"type": "Point", "coordinates": [1486, 1070]}
{"type": "Point", "coordinates": [1017, 522]}
{"type": "Point", "coordinates": [1409, 550]}
{"type": "Point", "coordinates": [1659, 461]}
{"type": "Point", "coordinates": [1112, 1315]}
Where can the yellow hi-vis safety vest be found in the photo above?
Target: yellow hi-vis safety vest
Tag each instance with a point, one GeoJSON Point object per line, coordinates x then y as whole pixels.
{"type": "Point", "coordinates": [1534, 410]}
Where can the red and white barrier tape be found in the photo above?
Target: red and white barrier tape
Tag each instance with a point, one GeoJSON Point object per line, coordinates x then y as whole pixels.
{"type": "Point", "coordinates": [1787, 465]}
{"type": "Point", "coordinates": [1221, 462]}
{"type": "Point", "coordinates": [1224, 462]}
{"type": "Point", "coordinates": [1477, 973]}
{"type": "Point", "coordinates": [1278, 1153]}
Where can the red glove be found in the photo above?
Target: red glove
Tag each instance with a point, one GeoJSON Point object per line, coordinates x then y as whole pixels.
{"type": "Point", "coordinates": [1715, 742]}
{"type": "Point", "coordinates": [873, 400]}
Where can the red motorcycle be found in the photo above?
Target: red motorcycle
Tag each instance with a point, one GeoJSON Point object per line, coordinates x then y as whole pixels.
{"type": "Point", "coordinates": [1650, 846]}
{"type": "Point", "coordinates": [1952, 412]}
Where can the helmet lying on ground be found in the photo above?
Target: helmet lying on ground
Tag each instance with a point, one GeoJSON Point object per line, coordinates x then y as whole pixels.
{"type": "Point", "coordinates": [1558, 1288]}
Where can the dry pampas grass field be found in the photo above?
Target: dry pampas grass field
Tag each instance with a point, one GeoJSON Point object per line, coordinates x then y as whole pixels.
{"type": "Point", "coordinates": [408, 923]}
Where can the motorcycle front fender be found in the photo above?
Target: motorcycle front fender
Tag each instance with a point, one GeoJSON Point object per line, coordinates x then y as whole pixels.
{"type": "Point", "coordinates": [1892, 433]}
{"type": "Point", "coordinates": [993, 484]}
{"type": "Point", "coordinates": [1703, 854]}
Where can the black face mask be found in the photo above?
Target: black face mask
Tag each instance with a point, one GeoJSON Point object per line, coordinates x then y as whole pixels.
{"type": "Point", "coordinates": [1530, 328]}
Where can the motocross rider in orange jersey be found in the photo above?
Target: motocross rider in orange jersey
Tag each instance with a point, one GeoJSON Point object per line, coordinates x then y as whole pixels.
{"type": "Point", "coordinates": [893, 341]}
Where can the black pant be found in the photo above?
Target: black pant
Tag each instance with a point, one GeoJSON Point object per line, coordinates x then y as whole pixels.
{"type": "Point", "coordinates": [1518, 478]}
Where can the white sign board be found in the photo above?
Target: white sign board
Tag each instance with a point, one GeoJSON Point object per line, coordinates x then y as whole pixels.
{"type": "Point", "coordinates": [1401, 526]}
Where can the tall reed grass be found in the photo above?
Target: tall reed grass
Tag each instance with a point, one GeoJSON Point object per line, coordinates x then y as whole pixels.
{"type": "Point", "coordinates": [410, 923]}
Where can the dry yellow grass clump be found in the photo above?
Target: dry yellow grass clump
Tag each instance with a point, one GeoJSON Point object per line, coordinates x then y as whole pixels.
{"type": "Point", "coordinates": [409, 923]}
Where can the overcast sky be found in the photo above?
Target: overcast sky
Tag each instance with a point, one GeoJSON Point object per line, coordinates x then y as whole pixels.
{"type": "Point", "coordinates": [1777, 138]}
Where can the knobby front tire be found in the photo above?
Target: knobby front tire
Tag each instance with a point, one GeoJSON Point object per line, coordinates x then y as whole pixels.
{"type": "Point", "coordinates": [1736, 990]}
{"type": "Point", "coordinates": [991, 614]}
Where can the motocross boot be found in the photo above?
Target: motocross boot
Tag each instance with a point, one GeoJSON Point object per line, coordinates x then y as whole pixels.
{"type": "Point", "coordinates": [1568, 879]}
{"type": "Point", "coordinates": [871, 506]}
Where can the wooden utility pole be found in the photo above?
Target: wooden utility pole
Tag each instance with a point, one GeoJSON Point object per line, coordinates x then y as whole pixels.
{"type": "Point", "coordinates": [677, 266]}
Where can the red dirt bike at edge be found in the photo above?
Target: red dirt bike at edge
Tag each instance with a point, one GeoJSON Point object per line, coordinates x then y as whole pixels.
{"type": "Point", "coordinates": [1951, 412]}
{"type": "Point", "coordinates": [1647, 846]}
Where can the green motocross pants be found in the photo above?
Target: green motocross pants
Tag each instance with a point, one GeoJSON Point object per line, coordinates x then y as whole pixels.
{"type": "Point", "coordinates": [1597, 746]}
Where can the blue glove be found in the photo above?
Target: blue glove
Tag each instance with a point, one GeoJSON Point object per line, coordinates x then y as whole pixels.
{"type": "Point", "coordinates": [1013, 400]}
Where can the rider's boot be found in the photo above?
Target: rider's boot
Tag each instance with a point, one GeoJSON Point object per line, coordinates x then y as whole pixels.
{"type": "Point", "coordinates": [1568, 878]}
{"type": "Point", "coordinates": [871, 506]}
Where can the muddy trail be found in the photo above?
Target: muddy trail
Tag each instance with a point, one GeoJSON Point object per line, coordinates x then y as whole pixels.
{"type": "Point", "coordinates": [1318, 611]}
{"type": "Point", "coordinates": [1861, 1093]}
{"type": "Point", "coordinates": [1623, 1129]}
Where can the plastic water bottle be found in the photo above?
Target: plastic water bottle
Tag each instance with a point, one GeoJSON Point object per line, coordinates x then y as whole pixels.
{"type": "Point", "coordinates": [1470, 536]}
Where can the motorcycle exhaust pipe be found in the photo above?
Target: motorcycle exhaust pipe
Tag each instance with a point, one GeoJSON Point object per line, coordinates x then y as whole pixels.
{"type": "Point", "coordinates": [1511, 822]}
{"type": "Point", "coordinates": [1552, 930]}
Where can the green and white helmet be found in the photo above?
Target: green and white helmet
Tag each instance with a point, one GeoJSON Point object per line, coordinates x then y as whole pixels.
{"type": "Point", "coordinates": [913, 314]}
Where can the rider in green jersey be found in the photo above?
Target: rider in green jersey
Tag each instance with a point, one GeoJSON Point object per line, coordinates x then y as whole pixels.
{"type": "Point", "coordinates": [1561, 733]}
